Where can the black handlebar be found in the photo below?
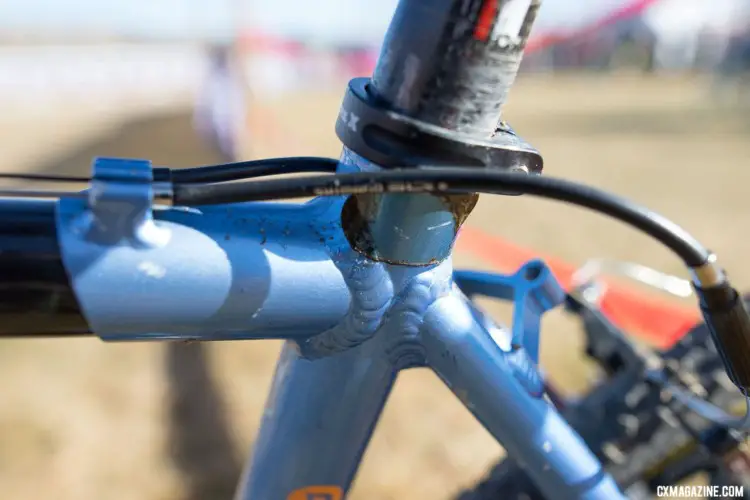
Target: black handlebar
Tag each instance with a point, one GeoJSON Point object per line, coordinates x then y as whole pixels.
{"type": "Point", "coordinates": [36, 297]}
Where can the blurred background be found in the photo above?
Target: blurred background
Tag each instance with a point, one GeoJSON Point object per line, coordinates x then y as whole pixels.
{"type": "Point", "coordinates": [648, 98]}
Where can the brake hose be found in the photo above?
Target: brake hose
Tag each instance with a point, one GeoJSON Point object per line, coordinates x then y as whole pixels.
{"type": "Point", "coordinates": [224, 172]}
{"type": "Point", "coordinates": [250, 169]}
{"type": "Point", "coordinates": [452, 180]}
{"type": "Point", "coordinates": [721, 305]}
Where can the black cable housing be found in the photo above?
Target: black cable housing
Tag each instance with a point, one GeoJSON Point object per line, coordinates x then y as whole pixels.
{"type": "Point", "coordinates": [453, 180]}
{"type": "Point", "coordinates": [44, 177]}
{"type": "Point", "coordinates": [211, 173]}
{"type": "Point", "coordinates": [253, 169]}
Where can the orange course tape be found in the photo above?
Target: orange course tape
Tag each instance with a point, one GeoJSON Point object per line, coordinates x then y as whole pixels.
{"type": "Point", "coordinates": [660, 322]}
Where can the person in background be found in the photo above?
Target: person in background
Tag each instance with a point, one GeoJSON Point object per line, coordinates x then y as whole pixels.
{"type": "Point", "coordinates": [737, 59]}
{"type": "Point", "coordinates": [220, 115]}
{"type": "Point", "coordinates": [732, 82]}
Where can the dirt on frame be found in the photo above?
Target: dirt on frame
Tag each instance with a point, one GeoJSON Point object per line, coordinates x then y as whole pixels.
{"type": "Point", "coordinates": [80, 419]}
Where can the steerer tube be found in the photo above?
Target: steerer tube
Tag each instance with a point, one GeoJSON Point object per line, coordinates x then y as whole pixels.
{"type": "Point", "coordinates": [451, 63]}
{"type": "Point", "coordinates": [436, 97]}
{"type": "Point", "coordinates": [36, 298]}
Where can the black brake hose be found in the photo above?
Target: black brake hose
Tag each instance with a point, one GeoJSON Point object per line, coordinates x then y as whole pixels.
{"type": "Point", "coordinates": [224, 172]}
{"type": "Point", "coordinates": [252, 169]}
{"type": "Point", "coordinates": [452, 180]}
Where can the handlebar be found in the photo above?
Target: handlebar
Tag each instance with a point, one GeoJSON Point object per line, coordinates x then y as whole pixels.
{"type": "Point", "coordinates": [36, 297]}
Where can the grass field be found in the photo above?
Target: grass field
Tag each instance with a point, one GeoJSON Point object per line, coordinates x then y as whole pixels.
{"type": "Point", "coordinates": [84, 420]}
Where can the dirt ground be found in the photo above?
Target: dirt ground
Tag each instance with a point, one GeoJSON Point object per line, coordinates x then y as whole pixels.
{"type": "Point", "coordinates": [83, 420]}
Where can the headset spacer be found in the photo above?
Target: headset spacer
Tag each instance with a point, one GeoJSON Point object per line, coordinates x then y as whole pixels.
{"type": "Point", "coordinates": [368, 127]}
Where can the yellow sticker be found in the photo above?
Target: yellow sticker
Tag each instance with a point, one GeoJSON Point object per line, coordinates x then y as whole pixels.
{"type": "Point", "coordinates": [317, 493]}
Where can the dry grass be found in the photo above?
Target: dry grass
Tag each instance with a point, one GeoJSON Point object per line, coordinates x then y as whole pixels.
{"type": "Point", "coordinates": [84, 420]}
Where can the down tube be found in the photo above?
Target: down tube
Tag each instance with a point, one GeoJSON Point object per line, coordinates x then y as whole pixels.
{"type": "Point", "coordinates": [317, 423]}
{"type": "Point", "coordinates": [476, 369]}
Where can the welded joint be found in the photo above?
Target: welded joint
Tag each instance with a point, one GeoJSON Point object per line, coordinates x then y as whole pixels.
{"type": "Point", "coordinates": [371, 291]}
{"type": "Point", "coordinates": [526, 372]}
{"type": "Point", "coordinates": [404, 346]}
{"type": "Point", "coordinates": [120, 204]}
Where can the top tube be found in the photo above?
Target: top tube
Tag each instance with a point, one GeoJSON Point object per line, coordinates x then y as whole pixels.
{"type": "Point", "coordinates": [451, 63]}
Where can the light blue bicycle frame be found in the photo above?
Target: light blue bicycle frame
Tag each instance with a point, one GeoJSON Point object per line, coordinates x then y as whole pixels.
{"type": "Point", "coordinates": [272, 270]}
{"type": "Point", "coordinates": [287, 271]}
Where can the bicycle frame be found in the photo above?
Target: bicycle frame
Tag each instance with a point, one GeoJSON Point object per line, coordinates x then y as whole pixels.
{"type": "Point", "coordinates": [287, 271]}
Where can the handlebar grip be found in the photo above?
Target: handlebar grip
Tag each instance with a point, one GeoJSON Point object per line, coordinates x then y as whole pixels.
{"type": "Point", "coordinates": [36, 296]}
{"type": "Point", "coordinates": [728, 321]}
